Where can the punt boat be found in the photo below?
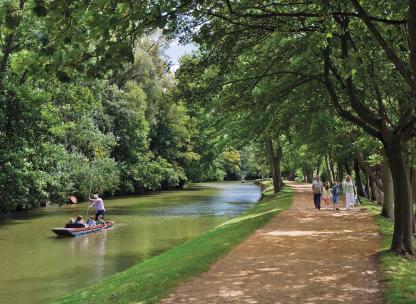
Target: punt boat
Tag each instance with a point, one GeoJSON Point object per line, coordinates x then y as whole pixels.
{"type": "Point", "coordinates": [83, 230]}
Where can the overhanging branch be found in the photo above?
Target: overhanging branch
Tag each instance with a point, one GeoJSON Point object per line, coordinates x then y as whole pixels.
{"type": "Point", "coordinates": [337, 105]}
{"type": "Point", "coordinates": [267, 14]}
{"type": "Point", "coordinates": [389, 51]}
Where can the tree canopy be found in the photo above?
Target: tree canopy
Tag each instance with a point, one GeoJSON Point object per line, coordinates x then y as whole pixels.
{"type": "Point", "coordinates": [292, 88]}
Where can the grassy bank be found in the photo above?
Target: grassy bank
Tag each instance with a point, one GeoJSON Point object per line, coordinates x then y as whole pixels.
{"type": "Point", "coordinates": [398, 272]}
{"type": "Point", "coordinates": [152, 280]}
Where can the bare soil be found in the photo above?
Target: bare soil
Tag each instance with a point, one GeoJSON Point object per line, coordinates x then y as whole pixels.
{"type": "Point", "coordinates": [301, 256]}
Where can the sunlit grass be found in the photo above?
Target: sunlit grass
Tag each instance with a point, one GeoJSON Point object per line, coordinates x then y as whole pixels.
{"type": "Point", "coordinates": [153, 279]}
{"type": "Point", "coordinates": [398, 272]}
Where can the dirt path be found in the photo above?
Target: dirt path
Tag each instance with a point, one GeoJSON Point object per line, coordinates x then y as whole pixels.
{"type": "Point", "coordinates": [301, 256]}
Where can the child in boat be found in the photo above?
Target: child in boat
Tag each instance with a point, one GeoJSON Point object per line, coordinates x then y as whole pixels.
{"type": "Point", "coordinates": [91, 222]}
{"type": "Point", "coordinates": [100, 220]}
{"type": "Point", "coordinates": [80, 220]}
{"type": "Point", "coordinates": [71, 221]}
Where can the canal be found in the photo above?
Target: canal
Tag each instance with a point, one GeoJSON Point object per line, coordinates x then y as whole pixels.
{"type": "Point", "coordinates": [37, 267]}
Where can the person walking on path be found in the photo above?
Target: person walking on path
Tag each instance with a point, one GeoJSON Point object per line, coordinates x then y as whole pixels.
{"type": "Point", "coordinates": [348, 187]}
{"type": "Point", "coordinates": [98, 205]}
{"type": "Point", "coordinates": [317, 191]}
{"type": "Point", "coordinates": [326, 195]}
{"type": "Point", "coordinates": [335, 194]}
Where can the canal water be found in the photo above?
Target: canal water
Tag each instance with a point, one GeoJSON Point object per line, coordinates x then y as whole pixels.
{"type": "Point", "coordinates": [37, 267]}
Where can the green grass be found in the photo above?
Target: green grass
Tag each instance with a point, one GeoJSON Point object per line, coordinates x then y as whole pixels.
{"type": "Point", "coordinates": [398, 272]}
{"type": "Point", "coordinates": [152, 280]}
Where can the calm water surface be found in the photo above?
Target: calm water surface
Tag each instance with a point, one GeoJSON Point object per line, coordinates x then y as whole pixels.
{"type": "Point", "coordinates": [37, 267]}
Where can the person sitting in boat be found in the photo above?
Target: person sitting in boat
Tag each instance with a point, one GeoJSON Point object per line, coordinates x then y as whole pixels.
{"type": "Point", "coordinates": [100, 220]}
{"type": "Point", "coordinates": [91, 222]}
{"type": "Point", "coordinates": [98, 205]}
{"type": "Point", "coordinates": [71, 222]}
{"type": "Point", "coordinates": [80, 220]}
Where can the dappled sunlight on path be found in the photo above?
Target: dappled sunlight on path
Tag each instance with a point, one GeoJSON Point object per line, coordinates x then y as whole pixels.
{"type": "Point", "coordinates": [301, 256]}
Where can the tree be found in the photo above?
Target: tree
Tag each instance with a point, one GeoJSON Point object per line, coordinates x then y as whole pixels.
{"type": "Point", "coordinates": [356, 50]}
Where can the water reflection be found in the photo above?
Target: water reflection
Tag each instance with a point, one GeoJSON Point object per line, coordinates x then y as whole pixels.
{"type": "Point", "coordinates": [94, 245]}
{"type": "Point", "coordinates": [45, 267]}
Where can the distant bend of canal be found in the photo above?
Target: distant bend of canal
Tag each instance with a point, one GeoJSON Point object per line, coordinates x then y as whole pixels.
{"type": "Point", "coordinates": [38, 267]}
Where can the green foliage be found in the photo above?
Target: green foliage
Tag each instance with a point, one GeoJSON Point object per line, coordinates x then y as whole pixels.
{"type": "Point", "coordinates": [127, 137]}
{"type": "Point", "coordinates": [398, 272]}
{"type": "Point", "coordinates": [231, 161]}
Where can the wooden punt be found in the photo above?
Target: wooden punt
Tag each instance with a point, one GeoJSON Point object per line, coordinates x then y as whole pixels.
{"type": "Point", "coordinates": [81, 231]}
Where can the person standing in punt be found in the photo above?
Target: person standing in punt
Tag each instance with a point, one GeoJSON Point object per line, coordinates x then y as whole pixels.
{"type": "Point", "coordinates": [98, 205]}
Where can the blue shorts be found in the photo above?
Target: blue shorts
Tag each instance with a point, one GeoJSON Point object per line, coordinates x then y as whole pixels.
{"type": "Point", "coordinates": [335, 199]}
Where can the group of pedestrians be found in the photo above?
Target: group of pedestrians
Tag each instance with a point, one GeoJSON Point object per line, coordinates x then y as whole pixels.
{"type": "Point", "coordinates": [324, 192]}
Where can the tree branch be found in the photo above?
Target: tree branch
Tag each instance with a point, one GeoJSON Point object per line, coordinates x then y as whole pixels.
{"type": "Point", "coordinates": [384, 119]}
{"type": "Point", "coordinates": [356, 104]}
{"type": "Point", "coordinates": [391, 55]}
{"type": "Point", "coordinates": [264, 75]}
{"type": "Point", "coordinates": [269, 14]}
{"type": "Point", "coordinates": [337, 105]}
{"type": "Point", "coordinates": [367, 170]}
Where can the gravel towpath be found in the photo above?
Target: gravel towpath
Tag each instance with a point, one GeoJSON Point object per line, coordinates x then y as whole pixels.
{"type": "Point", "coordinates": [301, 256]}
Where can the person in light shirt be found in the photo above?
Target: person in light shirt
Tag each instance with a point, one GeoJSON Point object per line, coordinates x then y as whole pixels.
{"type": "Point", "coordinates": [98, 205]}
{"type": "Point", "coordinates": [348, 187]}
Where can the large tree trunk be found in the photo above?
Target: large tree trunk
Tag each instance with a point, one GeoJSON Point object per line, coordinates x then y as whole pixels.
{"type": "Point", "coordinates": [318, 166]}
{"type": "Point", "coordinates": [331, 167]}
{"type": "Point", "coordinates": [328, 169]}
{"type": "Point", "coordinates": [358, 181]}
{"type": "Point", "coordinates": [373, 195]}
{"type": "Point", "coordinates": [402, 242]}
{"type": "Point", "coordinates": [367, 186]}
{"type": "Point", "coordinates": [347, 168]}
{"type": "Point", "coordinates": [367, 170]}
{"type": "Point", "coordinates": [274, 160]}
{"type": "Point", "coordinates": [309, 175]}
{"type": "Point", "coordinates": [340, 171]}
{"type": "Point", "coordinates": [413, 182]}
{"type": "Point", "coordinates": [278, 161]}
{"type": "Point", "coordinates": [388, 201]}
{"type": "Point", "coordinates": [413, 185]}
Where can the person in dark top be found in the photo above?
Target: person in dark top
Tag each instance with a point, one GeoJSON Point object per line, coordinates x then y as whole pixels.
{"type": "Point", "coordinates": [70, 223]}
{"type": "Point", "coordinates": [80, 220]}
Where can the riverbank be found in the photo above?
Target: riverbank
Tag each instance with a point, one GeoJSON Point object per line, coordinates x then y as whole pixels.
{"type": "Point", "coordinates": [398, 272]}
{"type": "Point", "coordinates": [152, 280]}
{"type": "Point", "coordinates": [300, 256]}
